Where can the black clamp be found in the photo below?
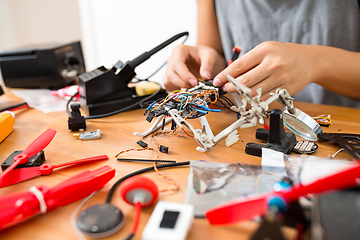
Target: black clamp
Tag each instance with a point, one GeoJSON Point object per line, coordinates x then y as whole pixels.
{"type": "Point", "coordinates": [277, 138]}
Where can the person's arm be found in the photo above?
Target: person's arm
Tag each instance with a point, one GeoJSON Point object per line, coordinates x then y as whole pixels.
{"type": "Point", "coordinates": [208, 35]}
{"type": "Point", "coordinates": [205, 60]}
{"type": "Point", "coordinates": [273, 65]}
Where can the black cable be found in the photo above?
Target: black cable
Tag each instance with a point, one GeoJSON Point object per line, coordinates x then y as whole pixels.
{"type": "Point", "coordinates": [138, 60]}
{"type": "Point", "coordinates": [127, 107]}
{"type": "Point", "coordinates": [146, 55]}
{"type": "Point", "coordinates": [157, 70]}
{"type": "Point", "coordinates": [117, 111]}
{"type": "Point", "coordinates": [227, 100]}
{"type": "Point", "coordinates": [14, 106]}
{"type": "Point", "coordinates": [113, 188]}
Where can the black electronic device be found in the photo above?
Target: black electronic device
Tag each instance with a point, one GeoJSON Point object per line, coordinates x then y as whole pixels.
{"type": "Point", "coordinates": [277, 138]}
{"type": "Point", "coordinates": [33, 161]}
{"type": "Point", "coordinates": [52, 66]}
{"type": "Point", "coordinates": [105, 90]}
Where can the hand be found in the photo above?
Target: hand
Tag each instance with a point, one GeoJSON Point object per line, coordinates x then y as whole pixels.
{"type": "Point", "coordinates": [188, 63]}
{"type": "Point", "coordinates": [272, 65]}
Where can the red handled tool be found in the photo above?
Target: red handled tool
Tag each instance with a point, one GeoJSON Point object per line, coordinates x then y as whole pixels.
{"type": "Point", "coordinates": [236, 52]}
{"type": "Point", "coordinates": [35, 147]}
{"type": "Point", "coordinates": [249, 207]}
{"type": "Point", "coordinates": [17, 207]}
{"type": "Point", "coordinates": [22, 174]}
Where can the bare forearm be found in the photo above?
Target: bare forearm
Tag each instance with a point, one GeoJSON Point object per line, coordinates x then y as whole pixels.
{"type": "Point", "coordinates": [338, 70]}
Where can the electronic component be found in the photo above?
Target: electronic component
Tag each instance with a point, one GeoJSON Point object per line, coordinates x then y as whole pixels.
{"type": "Point", "coordinates": [33, 161]}
{"type": "Point", "coordinates": [52, 67]}
{"type": "Point", "coordinates": [142, 143]}
{"type": "Point", "coordinates": [105, 90]}
{"type": "Point", "coordinates": [305, 147]}
{"type": "Point", "coordinates": [7, 121]}
{"type": "Point", "coordinates": [76, 122]}
{"type": "Point", "coordinates": [88, 135]}
{"type": "Point", "coordinates": [145, 160]}
{"type": "Point", "coordinates": [163, 149]}
{"type": "Point", "coordinates": [169, 220]}
{"type": "Point", "coordinates": [100, 220]}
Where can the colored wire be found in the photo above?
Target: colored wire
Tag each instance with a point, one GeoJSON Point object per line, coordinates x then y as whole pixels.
{"type": "Point", "coordinates": [133, 149]}
{"type": "Point", "coordinates": [116, 184]}
{"type": "Point", "coordinates": [137, 217]}
{"type": "Point", "coordinates": [186, 133]}
{"type": "Point", "coordinates": [176, 188]}
{"type": "Point", "coordinates": [323, 121]}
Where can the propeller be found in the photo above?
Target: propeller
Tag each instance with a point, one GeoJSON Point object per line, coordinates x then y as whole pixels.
{"type": "Point", "coordinates": [23, 174]}
{"type": "Point", "coordinates": [17, 207]}
{"type": "Point", "coordinates": [36, 146]}
{"type": "Point", "coordinates": [249, 207]}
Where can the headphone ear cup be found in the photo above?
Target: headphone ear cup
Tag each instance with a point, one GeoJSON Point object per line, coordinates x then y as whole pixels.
{"type": "Point", "coordinates": [139, 188]}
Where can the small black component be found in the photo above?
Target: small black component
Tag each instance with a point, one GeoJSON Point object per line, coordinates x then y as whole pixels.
{"type": "Point", "coordinates": [33, 161]}
{"type": "Point", "coordinates": [142, 143]}
{"type": "Point", "coordinates": [305, 147]}
{"type": "Point", "coordinates": [150, 116]}
{"type": "Point", "coordinates": [169, 219]}
{"type": "Point", "coordinates": [173, 124]}
{"type": "Point", "coordinates": [76, 122]}
{"type": "Point", "coordinates": [163, 124]}
{"type": "Point", "coordinates": [163, 149]}
{"type": "Point", "coordinates": [100, 221]}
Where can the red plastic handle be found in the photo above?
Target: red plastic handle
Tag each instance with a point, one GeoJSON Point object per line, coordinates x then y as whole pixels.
{"type": "Point", "coordinates": [341, 180]}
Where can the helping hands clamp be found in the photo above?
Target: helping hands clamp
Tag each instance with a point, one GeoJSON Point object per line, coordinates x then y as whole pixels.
{"type": "Point", "coordinates": [248, 118]}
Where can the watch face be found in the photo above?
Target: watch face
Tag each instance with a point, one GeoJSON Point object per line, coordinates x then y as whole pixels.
{"type": "Point", "coordinates": [302, 125]}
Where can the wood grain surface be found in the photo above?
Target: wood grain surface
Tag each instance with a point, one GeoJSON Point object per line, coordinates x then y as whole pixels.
{"type": "Point", "coordinates": [117, 135]}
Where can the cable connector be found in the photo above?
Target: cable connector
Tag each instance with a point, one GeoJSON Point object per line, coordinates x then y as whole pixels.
{"type": "Point", "coordinates": [163, 149]}
{"type": "Point", "coordinates": [76, 122]}
{"type": "Point", "coordinates": [142, 143]}
{"type": "Point", "coordinates": [150, 116]}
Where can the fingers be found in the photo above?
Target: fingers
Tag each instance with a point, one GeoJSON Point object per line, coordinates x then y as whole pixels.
{"type": "Point", "coordinates": [186, 64]}
{"type": "Point", "coordinates": [207, 59]}
{"type": "Point", "coordinates": [177, 72]}
{"type": "Point", "coordinates": [239, 67]}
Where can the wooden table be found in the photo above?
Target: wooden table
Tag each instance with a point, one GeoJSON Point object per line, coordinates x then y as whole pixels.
{"type": "Point", "coordinates": [117, 135]}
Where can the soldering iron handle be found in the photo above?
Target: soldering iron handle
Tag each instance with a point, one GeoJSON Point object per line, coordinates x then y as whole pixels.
{"type": "Point", "coordinates": [146, 55]}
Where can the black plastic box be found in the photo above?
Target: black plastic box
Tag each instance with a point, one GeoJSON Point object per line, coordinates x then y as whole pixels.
{"type": "Point", "coordinates": [50, 67]}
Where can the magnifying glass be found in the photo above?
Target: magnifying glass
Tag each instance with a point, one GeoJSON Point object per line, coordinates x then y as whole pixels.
{"type": "Point", "coordinates": [302, 124]}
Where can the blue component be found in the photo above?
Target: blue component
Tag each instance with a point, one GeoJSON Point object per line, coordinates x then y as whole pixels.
{"type": "Point", "coordinates": [205, 108]}
{"type": "Point", "coordinates": [281, 186]}
{"type": "Point", "coordinates": [277, 201]}
{"type": "Point", "coordinates": [209, 109]}
{"type": "Point", "coordinates": [201, 111]}
{"type": "Point", "coordinates": [148, 108]}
